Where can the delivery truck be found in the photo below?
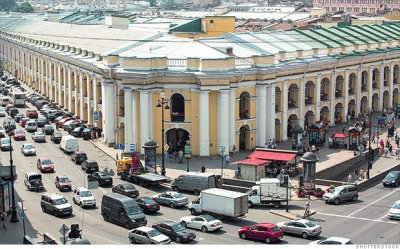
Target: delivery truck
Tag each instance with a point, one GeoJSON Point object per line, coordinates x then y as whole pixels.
{"type": "Point", "coordinates": [268, 191]}
{"type": "Point", "coordinates": [220, 203]}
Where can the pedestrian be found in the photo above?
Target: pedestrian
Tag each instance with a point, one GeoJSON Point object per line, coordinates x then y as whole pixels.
{"type": "Point", "coordinates": [382, 144]}
{"type": "Point", "coordinates": [4, 218]}
{"type": "Point", "coordinates": [398, 153]}
{"type": "Point", "coordinates": [391, 150]}
{"type": "Point", "coordinates": [181, 156]}
{"type": "Point", "coordinates": [373, 137]}
{"type": "Point", "coordinates": [318, 151]}
{"type": "Point", "coordinates": [227, 158]}
{"type": "Point", "coordinates": [166, 152]}
{"type": "Point", "coordinates": [233, 149]}
{"type": "Point", "coordinates": [349, 178]}
{"type": "Point", "coordinates": [203, 169]}
{"type": "Point", "coordinates": [362, 173]}
{"type": "Point", "coordinates": [57, 126]}
{"type": "Point", "coordinates": [356, 174]}
{"type": "Point", "coordinates": [307, 210]}
{"type": "Point", "coordinates": [343, 128]}
{"type": "Point", "coordinates": [175, 156]}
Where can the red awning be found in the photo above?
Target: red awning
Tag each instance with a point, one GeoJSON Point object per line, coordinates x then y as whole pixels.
{"type": "Point", "coordinates": [253, 161]}
{"type": "Point", "coordinates": [272, 156]}
{"type": "Point", "coordinates": [339, 135]}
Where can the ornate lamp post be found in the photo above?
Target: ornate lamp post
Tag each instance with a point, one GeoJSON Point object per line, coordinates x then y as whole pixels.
{"type": "Point", "coordinates": [163, 104]}
{"type": "Point", "coordinates": [14, 216]}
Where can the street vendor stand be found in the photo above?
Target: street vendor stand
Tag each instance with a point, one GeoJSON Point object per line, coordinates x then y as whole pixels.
{"type": "Point", "coordinates": [316, 134]}
{"type": "Point", "coordinates": [355, 136]}
{"type": "Point", "coordinates": [338, 141]}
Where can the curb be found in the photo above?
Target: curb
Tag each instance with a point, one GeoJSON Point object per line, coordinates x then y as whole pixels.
{"type": "Point", "coordinates": [289, 215]}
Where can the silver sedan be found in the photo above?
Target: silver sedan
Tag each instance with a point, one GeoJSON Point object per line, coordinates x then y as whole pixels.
{"type": "Point", "coordinates": [171, 198]}
{"type": "Point", "coordinates": [28, 150]}
{"type": "Point", "coordinates": [302, 227]}
{"type": "Point", "coordinates": [38, 137]}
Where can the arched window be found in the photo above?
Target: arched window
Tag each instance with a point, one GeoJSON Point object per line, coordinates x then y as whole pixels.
{"type": "Point", "coordinates": [177, 108]}
{"type": "Point", "coordinates": [244, 105]}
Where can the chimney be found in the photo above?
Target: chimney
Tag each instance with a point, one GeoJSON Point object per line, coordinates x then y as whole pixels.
{"type": "Point", "coordinates": [229, 51]}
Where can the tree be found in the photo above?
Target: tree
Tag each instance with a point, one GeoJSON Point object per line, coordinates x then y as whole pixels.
{"type": "Point", "coordinates": [153, 3]}
{"type": "Point", "coordinates": [24, 8]}
{"type": "Point", "coordinates": [7, 4]}
{"type": "Point", "coordinates": [171, 5]}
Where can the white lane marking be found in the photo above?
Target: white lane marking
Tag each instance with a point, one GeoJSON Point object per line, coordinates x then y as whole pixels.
{"type": "Point", "coordinates": [22, 170]}
{"type": "Point", "coordinates": [358, 218]}
{"type": "Point", "coordinates": [91, 234]}
{"type": "Point", "coordinates": [377, 200]}
{"type": "Point", "coordinates": [383, 217]}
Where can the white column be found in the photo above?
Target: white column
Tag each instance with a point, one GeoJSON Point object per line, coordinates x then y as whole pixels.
{"type": "Point", "coordinates": [94, 87]}
{"type": "Point", "coordinates": [111, 112]}
{"type": "Point", "coordinates": [81, 96]}
{"type": "Point", "coordinates": [318, 100]}
{"type": "Point", "coordinates": [135, 126]}
{"type": "Point", "coordinates": [204, 124]}
{"type": "Point", "coordinates": [42, 70]}
{"type": "Point", "coordinates": [103, 108]}
{"type": "Point", "coordinates": [128, 116]}
{"type": "Point", "coordinates": [232, 120]}
{"type": "Point", "coordinates": [302, 103]}
{"type": "Point", "coordinates": [59, 101]}
{"type": "Point", "coordinates": [76, 87]}
{"type": "Point", "coordinates": [381, 85]}
{"type": "Point", "coordinates": [69, 104]}
{"type": "Point", "coordinates": [50, 81]}
{"type": "Point", "coordinates": [370, 88]}
{"type": "Point", "coordinates": [88, 93]}
{"type": "Point", "coordinates": [223, 124]}
{"type": "Point", "coordinates": [270, 112]}
{"type": "Point", "coordinates": [284, 110]}
{"type": "Point", "coordinates": [391, 85]}
{"type": "Point", "coordinates": [144, 118]}
{"type": "Point", "coordinates": [150, 103]}
{"type": "Point", "coordinates": [333, 96]}
{"type": "Point", "coordinates": [346, 95]}
{"type": "Point", "coordinates": [261, 115]}
{"type": "Point", "coordinates": [64, 103]}
{"type": "Point", "coordinates": [359, 93]}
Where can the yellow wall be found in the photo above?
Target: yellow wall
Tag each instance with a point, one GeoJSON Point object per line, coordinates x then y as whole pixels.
{"type": "Point", "coordinates": [220, 26]}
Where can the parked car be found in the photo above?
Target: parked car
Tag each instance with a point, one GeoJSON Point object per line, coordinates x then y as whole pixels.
{"type": "Point", "coordinates": [127, 189]}
{"type": "Point", "coordinates": [22, 121]}
{"type": "Point", "coordinates": [147, 235]}
{"type": "Point", "coordinates": [56, 137]}
{"type": "Point", "coordinates": [45, 165]}
{"type": "Point", "coordinates": [341, 193]}
{"type": "Point", "coordinates": [41, 122]}
{"type": "Point", "coordinates": [77, 132]}
{"type": "Point", "coordinates": [74, 124]}
{"type": "Point", "coordinates": [33, 114]}
{"type": "Point", "coordinates": [38, 136]}
{"type": "Point", "coordinates": [69, 144]}
{"type": "Point", "coordinates": [148, 205]}
{"type": "Point", "coordinates": [332, 241]}
{"type": "Point", "coordinates": [102, 179]}
{"type": "Point", "coordinates": [86, 133]}
{"type": "Point", "coordinates": [31, 126]}
{"type": "Point", "coordinates": [18, 117]}
{"type": "Point", "coordinates": [9, 123]}
{"type": "Point", "coordinates": [302, 227]}
{"type": "Point", "coordinates": [28, 150]}
{"type": "Point", "coordinates": [171, 198]}
{"type": "Point", "coordinates": [266, 232]}
{"type": "Point", "coordinates": [84, 197]}
{"type": "Point", "coordinates": [2, 132]}
{"type": "Point", "coordinates": [5, 144]}
{"type": "Point", "coordinates": [55, 204]}
{"type": "Point", "coordinates": [392, 179]}
{"type": "Point", "coordinates": [394, 211]}
{"type": "Point", "coordinates": [19, 135]}
{"type": "Point", "coordinates": [71, 121]}
{"type": "Point", "coordinates": [33, 181]}
{"type": "Point", "coordinates": [78, 157]}
{"type": "Point", "coordinates": [205, 223]}
{"type": "Point", "coordinates": [13, 112]}
{"type": "Point", "coordinates": [90, 166]}
{"type": "Point", "coordinates": [63, 183]}
{"type": "Point", "coordinates": [2, 112]}
{"type": "Point", "coordinates": [175, 231]}
{"type": "Point", "coordinates": [62, 121]}
{"type": "Point", "coordinates": [48, 129]}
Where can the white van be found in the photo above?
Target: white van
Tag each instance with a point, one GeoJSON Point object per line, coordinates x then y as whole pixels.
{"type": "Point", "coordinates": [69, 144]}
{"type": "Point", "coordinates": [31, 126]}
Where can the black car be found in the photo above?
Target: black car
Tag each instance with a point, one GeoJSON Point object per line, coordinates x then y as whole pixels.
{"type": "Point", "coordinates": [103, 179]}
{"type": "Point", "coordinates": [13, 112]}
{"type": "Point", "coordinates": [69, 128]}
{"type": "Point", "coordinates": [78, 157]}
{"type": "Point", "coordinates": [175, 231]}
{"type": "Point", "coordinates": [56, 137]}
{"type": "Point", "coordinates": [392, 179]}
{"type": "Point", "coordinates": [18, 117]}
{"type": "Point", "coordinates": [127, 189]}
{"type": "Point", "coordinates": [148, 205]}
{"type": "Point", "coordinates": [77, 132]}
{"type": "Point", "coordinates": [41, 122]}
{"type": "Point", "coordinates": [90, 166]}
{"type": "Point", "coordinates": [86, 133]}
{"type": "Point", "coordinates": [51, 117]}
{"type": "Point", "coordinates": [48, 129]}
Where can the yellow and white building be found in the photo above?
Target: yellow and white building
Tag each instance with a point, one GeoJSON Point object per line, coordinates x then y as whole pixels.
{"type": "Point", "coordinates": [235, 90]}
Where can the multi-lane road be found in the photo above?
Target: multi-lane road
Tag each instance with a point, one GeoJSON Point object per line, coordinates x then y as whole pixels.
{"type": "Point", "coordinates": [364, 221]}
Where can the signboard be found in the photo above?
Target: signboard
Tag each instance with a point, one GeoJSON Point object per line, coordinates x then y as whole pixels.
{"type": "Point", "coordinates": [166, 147]}
{"type": "Point", "coordinates": [120, 146]}
{"type": "Point", "coordinates": [63, 229]}
{"type": "Point", "coordinates": [188, 151]}
{"type": "Point", "coordinates": [132, 147]}
{"type": "Point", "coordinates": [96, 116]}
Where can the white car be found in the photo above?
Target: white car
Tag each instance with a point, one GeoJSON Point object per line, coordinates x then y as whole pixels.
{"type": "Point", "coordinates": [147, 235]}
{"type": "Point", "coordinates": [2, 132]}
{"type": "Point", "coordinates": [28, 150]}
{"type": "Point", "coordinates": [332, 241]}
{"type": "Point", "coordinates": [205, 223]}
{"type": "Point", "coordinates": [38, 137]}
{"type": "Point", "coordinates": [2, 112]}
{"type": "Point", "coordinates": [394, 212]}
{"type": "Point", "coordinates": [83, 197]}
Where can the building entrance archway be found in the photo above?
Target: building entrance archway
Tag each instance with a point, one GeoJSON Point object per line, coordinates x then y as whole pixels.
{"type": "Point", "coordinates": [176, 138]}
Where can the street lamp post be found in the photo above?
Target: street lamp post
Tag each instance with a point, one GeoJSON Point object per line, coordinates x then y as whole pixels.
{"type": "Point", "coordinates": [161, 103]}
{"type": "Point", "coordinates": [222, 151]}
{"type": "Point", "coordinates": [14, 216]}
{"type": "Point", "coordinates": [370, 151]}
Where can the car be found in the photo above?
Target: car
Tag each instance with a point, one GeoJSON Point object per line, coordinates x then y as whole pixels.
{"type": "Point", "coordinates": [41, 122]}
{"type": "Point", "coordinates": [28, 150]}
{"type": "Point", "coordinates": [48, 129]}
{"type": "Point", "coordinates": [266, 232]}
{"type": "Point", "coordinates": [69, 126]}
{"type": "Point", "coordinates": [175, 231]}
{"type": "Point", "coordinates": [102, 179]}
{"type": "Point", "coordinates": [394, 211]}
{"type": "Point", "coordinates": [45, 165]}
{"type": "Point", "coordinates": [171, 198]}
{"type": "Point", "coordinates": [59, 118]}
{"type": "Point", "coordinates": [22, 121]}
{"type": "Point", "coordinates": [52, 116]}
{"type": "Point", "coordinates": [13, 112]}
{"type": "Point", "coordinates": [302, 227]}
{"type": "Point", "coordinates": [2, 112]}
{"type": "Point", "coordinates": [55, 204]}
{"type": "Point", "coordinates": [9, 123]}
{"type": "Point", "coordinates": [127, 189]}
{"type": "Point", "coordinates": [148, 205]}
{"type": "Point", "coordinates": [18, 117]}
{"type": "Point", "coordinates": [33, 114]}
{"type": "Point", "coordinates": [56, 137]}
{"type": "Point", "coordinates": [332, 241]}
{"type": "Point", "coordinates": [205, 223]}
{"type": "Point", "coordinates": [62, 121]}
{"type": "Point", "coordinates": [33, 181]}
{"type": "Point", "coordinates": [2, 132]}
{"type": "Point", "coordinates": [38, 136]}
{"type": "Point", "coordinates": [5, 144]}
{"type": "Point", "coordinates": [90, 166]}
{"type": "Point", "coordinates": [19, 135]}
{"type": "Point", "coordinates": [392, 179]}
{"type": "Point", "coordinates": [341, 193]}
{"type": "Point", "coordinates": [63, 183]}
{"type": "Point", "coordinates": [77, 132]}
{"type": "Point", "coordinates": [83, 197]}
{"type": "Point", "coordinates": [68, 122]}
{"type": "Point", "coordinates": [30, 126]}
{"type": "Point", "coordinates": [147, 235]}
{"type": "Point", "coordinates": [86, 134]}
{"type": "Point", "coordinates": [78, 157]}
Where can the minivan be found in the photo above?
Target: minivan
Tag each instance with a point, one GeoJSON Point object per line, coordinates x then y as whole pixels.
{"type": "Point", "coordinates": [69, 144]}
{"type": "Point", "coordinates": [31, 126]}
{"type": "Point", "coordinates": [122, 210]}
{"type": "Point", "coordinates": [196, 182]}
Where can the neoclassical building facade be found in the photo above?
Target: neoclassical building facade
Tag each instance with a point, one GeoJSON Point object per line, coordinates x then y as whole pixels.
{"type": "Point", "coordinates": [235, 90]}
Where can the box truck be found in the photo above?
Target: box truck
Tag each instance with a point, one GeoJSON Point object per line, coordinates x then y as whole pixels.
{"type": "Point", "coordinates": [268, 191]}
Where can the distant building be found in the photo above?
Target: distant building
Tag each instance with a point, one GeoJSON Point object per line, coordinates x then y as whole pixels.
{"type": "Point", "coordinates": [357, 6]}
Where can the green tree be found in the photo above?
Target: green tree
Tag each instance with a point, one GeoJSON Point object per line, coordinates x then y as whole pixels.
{"type": "Point", "coordinates": [153, 3]}
{"type": "Point", "coordinates": [25, 8]}
{"type": "Point", "coordinates": [171, 5]}
{"type": "Point", "coordinates": [7, 4]}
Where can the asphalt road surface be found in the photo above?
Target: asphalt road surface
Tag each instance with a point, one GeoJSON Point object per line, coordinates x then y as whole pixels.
{"type": "Point", "coordinates": [364, 221]}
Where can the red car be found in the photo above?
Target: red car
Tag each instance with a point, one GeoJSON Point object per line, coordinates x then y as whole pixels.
{"type": "Point", "coordinates": [19, 135]}
{"type": "Point", "coordinates": [62, 121]}
{"type": "Point", "coordinates": [266, 232]}
{"type": "Point", "coordinates": [23, 121]}
{"type": "Point", "coordinates": [32, 114]}
{"type": "Point", "coordinates": [45, 165]}
{"type": "Point", "coordinates": [63, 183]}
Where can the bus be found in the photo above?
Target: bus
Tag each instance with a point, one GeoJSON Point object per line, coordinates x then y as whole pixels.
{"type": "Point", "coordinates": [18, 97]}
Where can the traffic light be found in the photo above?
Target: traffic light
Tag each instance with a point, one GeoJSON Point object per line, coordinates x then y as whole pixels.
{"type": "Point", "coordinates": [75, 232]}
